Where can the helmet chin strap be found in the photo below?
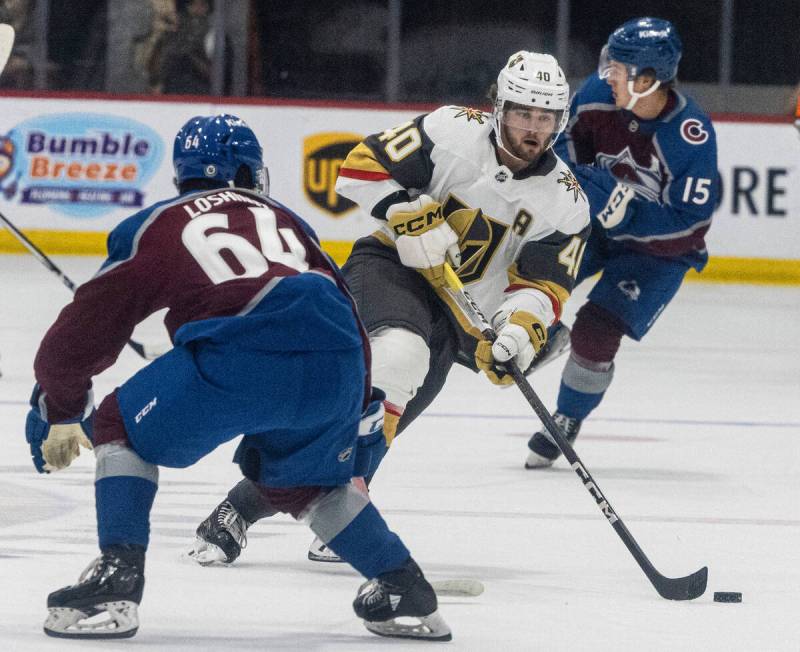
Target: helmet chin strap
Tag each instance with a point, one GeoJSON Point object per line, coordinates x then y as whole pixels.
{"type": "Point", "coordinates": [635, 97]}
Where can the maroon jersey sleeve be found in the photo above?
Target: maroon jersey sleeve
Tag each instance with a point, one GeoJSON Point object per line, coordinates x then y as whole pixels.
{"type": "Point", "coordinates": [202, 255]}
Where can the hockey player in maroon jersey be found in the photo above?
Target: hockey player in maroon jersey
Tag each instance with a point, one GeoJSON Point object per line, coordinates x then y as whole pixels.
{"type": "Point", "coordinates": [646, 156]}
{"type": "Point", "coordinates": [267, 342]}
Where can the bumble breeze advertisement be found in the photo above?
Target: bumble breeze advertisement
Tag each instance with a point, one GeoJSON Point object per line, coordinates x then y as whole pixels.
{"type": "Point", "coordinates": [83, 165]}
{"type": "Point", "coordinates": [79, 164]}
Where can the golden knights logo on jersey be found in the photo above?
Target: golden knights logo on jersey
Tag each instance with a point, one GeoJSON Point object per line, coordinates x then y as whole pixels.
{"type": "Point", "coordinates": [323, 155]}
{"type": "Point", "coordinates": [571, 183]}
{"type": "Point", "coordinates": [471, 114]}
{"type": "Point", "coordinates": [479, 236]}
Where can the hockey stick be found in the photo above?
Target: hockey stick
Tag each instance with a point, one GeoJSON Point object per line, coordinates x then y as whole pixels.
{"type": "Point", "coordinates": [678, 588]}
{"type": "Point", "coordinates": [148, 353]}
{"type": "Point", "coordinates": [458, 588]}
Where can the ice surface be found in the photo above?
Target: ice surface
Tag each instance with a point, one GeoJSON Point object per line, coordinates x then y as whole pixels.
{"type": "Point", "coordinates": [696, 446]}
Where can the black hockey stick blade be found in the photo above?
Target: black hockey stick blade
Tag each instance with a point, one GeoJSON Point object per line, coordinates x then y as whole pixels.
{"type": "Point", "coordinates": [681, 588]}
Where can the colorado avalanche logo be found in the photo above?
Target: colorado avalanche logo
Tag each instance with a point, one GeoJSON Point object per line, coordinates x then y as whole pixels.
{"type": "Point", "coordinates": [692, 132]}
{"type": "Point", "coordinates": [630, 289]}
{"type": "Point", "coordinates": [646, 180]}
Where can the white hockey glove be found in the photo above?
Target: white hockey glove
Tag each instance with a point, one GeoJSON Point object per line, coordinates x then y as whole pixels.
{"type": "Point", "coordinates": [55, 445]}
{"type": "Point", "coordinates": [520, 335]}
{"type": "Point", "coordinates": [423, 237]}
{"type": "Point", "coordinates": [614, 212]}
{"type": "Point", "coordinates": [62, 445]}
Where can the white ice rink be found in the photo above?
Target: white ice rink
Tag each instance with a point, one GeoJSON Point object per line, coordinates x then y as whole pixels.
{"type": "Point", "coordinates": [697, 447]}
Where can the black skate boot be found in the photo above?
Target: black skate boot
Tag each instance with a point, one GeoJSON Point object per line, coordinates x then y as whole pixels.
{"type": "Point", "coordinates": [104, 602]}
{"type": "Point", "coordinates": [401, 593]}
{"type": "Point", "coordinates": [221, 537]}
{"type": "Point", "coordinates": [543, 450]}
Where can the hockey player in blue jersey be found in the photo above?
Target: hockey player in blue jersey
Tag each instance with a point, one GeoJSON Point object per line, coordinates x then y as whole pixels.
{"type": "Point", "coordinates": [267, 343]}
{"type": "Point", "coordinates": [646, 157]}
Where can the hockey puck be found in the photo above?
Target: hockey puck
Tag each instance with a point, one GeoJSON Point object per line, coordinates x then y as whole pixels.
{"type": "Point", "coordinates": [722, 596]}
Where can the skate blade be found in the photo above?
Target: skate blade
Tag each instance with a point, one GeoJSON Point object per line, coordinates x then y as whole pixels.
{"type": "Point", "coordinates": [458, 588]}
{"type": "Point", "coordinates": [536, 461]}
{"type": "Point", "coordinates": [426, 628]}
{"type": "Point", "coordinates": [104, 620]}
{"type": "Point", "coordinates": [327, 556]}
{"type": "Point", "coordinates": [206, 554]}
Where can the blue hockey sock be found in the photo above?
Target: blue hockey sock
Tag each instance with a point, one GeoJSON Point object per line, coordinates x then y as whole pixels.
{"type": "Point", "coordinates": [368, 544]}
{"type": "Point", "coordinates": [123, 509]}
{"type": "Point", "coordinates": [575, 404]}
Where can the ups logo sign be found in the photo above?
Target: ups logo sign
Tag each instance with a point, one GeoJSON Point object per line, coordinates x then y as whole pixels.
{"type": "Point", "coordinates": [323, 155]}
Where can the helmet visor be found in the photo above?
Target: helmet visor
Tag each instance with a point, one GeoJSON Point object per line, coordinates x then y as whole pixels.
{"type": "Point", "coordinates": [608, 68]}
{"type": "Point", "coordinates": [529, 118]}
{"type": "Point", "coordinates": [262, 181]}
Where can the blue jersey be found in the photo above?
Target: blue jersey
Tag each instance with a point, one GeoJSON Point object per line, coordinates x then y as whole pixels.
{"type": "Point", "coordinates": [670, 161]}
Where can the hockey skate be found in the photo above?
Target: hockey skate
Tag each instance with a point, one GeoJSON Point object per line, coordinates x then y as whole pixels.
{"type": "Point", "coordinates": [319, 551]}
{"type": "Point", "coordinates": [221, 537]}
{"type": "Point", "coordinates": [404, 593]}
{"type": "Point", "coordinates": [543, 450]}
{"type": "Point", "coordinates": [104, 602]}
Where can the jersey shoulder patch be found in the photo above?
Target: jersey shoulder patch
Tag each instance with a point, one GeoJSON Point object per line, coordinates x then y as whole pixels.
{"type": "Point", "coordinates": [568, 210]}
{"type": "Point", "coordinates": [688, 137]}
{"type": "Point", "coordinates": [458, 129]}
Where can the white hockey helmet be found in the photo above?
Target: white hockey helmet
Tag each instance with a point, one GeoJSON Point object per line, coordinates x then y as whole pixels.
{"type": "Point", "coordinates": [536, 80]}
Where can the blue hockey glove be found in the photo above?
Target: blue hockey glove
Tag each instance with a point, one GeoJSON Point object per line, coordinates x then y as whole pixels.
{"type": "Point", "coordinates": [54, 446]}
{"type": "Point", "coordinates": [371, 445]}
{"type": "Point", "coordinates": [610, 201]}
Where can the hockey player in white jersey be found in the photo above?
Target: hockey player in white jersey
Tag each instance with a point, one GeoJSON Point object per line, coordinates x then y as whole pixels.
{"type": "Point", "coordinates": [487, 193]}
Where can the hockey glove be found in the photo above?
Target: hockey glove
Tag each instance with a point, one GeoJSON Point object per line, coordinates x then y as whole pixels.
{"type": "Point", "coordinates": [423, 237]}
{"type": "Point", "coordinates": [520, 336]}
{"type": "Point", "coordinates": [54, 446]}
{"type": "Point", "coordinates": [609, 200]}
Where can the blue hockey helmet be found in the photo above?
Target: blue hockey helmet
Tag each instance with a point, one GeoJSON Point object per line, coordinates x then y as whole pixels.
{"type": "Point", "coordinates": [641, 44]}
{"type": "Point", "coordinates": [215, 148]}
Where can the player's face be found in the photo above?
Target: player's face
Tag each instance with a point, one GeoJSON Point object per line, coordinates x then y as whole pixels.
{"type": "Point", "coordinates": [618, 80]}
{"type": "Point", "coordinates": [618, 76]}
{"type": "Point", "coordinates": [527, 131]}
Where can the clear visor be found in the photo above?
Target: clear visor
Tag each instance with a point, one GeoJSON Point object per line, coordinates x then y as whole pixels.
{"type": "Point", "coordinates": [528, 118]}
{"type": "Point", "coordinates": [262, 181]}
{"type": "Point", "coordinates": [607, 68]}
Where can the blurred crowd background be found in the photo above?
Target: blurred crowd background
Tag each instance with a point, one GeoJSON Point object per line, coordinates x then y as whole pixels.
{"type": "Point", "coordinates": [740, 56]}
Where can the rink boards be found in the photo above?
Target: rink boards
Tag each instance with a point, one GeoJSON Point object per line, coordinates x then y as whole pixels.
{"type": "Point", "coordinates": [71, 168]}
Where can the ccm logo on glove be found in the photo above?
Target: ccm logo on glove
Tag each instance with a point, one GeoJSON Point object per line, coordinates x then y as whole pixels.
{"type": "Point", "coordinates": [423, 238]}
{"type": "Point", "coordinates": [614, 212]}
{"type": "Point", "coordinates": [419, 223]}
